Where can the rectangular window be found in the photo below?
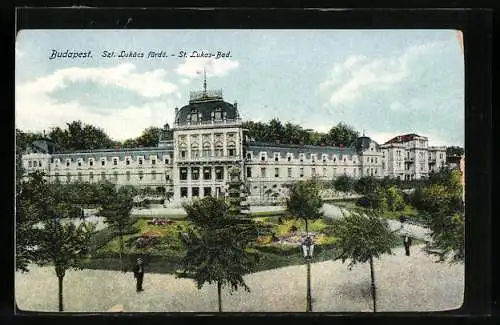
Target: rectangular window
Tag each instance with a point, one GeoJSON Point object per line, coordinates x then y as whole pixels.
{"type": "Point", "coordinates": [313, 158]}
{"type": "Point", "coordinates": [195, 173]}
{"type": "Point", "coordinates": [67, 163]}
{"type": "Point", "coordinates": [219, 173]}
{"type": "Point", "coordinates": [184, 192]}
{"type": "Point", "coordinates": [289, 172]}
{"type": "Point", "coordinates": [249, 171]}
{"type": "Point", "coordinates": [103, 162]}
{"type": "Point", "coordinates": [232, 152]}
{"type": "Point", "coordinates": [313, 171]}
{"type": "Point", "coordinates": [140, 161]}
{"type": "Point", "coordinates": [289, 158]}
{"type": "Point", "coordinates": [153, 161]}
{"type": "Point", "coordinates": [141, 175]}
{"type": "Point", "coordinates": [207, 191]}
{"type": "Point", "coordinates": [276, 157]}
{"type": "Point", "coordinates": [91, 162]}
{"type": "Point", "coordinates": [30, 164]}
{"type": "Point", "coordinates": [207, 173]}
{"type": "Point", "coordinates": [195, 191]}
{"type": "Point", "coordinates": [166, 161]}
{"type": "Point", "coordinates": [301, 172]}
{"type": "Point", "coordinates": [262, 157]}
{"type": "Point", "coordinates": [183, 173]}
{"type": "Point", "coordinates": [276, 172]}
{"type": "Point", "coordinates": [128, 175]}
{"type": "Point", "coordinates": [79, 163]}
{"type": "Point", "coordinates": [263, 172]}
{"type": "Point", "coordinates": [249, 155]}
{"type": "Point", "coordinates": [115, 162]}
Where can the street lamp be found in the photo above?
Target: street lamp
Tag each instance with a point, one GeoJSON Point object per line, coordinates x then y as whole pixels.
{"type": "Point", "coordinates": [308, 249]}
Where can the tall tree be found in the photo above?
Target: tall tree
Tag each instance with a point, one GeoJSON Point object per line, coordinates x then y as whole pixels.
{"type": "Point", "coordinates": [454, 151]}
{"type": "Point", "coordinates": [361, 237]}
{"type": "Point", "coordinates": [217, 246]}
{"type": "Point", "coordinates": [149, 138]}
{"type": "Point", "coordinates": [304, 201]}
{"type": "Point", "coordinates": [366, 185]}
{"type": "Point", "coordinates": [80, 136]}
{"type": "Point", "coordinates": [342, 134]}
{"type": "Point", "coordinates": [116, 209]}
{"type": "Point", "coordinates": [53, 239]}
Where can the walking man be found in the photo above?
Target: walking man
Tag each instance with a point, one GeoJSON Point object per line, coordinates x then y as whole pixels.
{"type": "Point", "coordinates": [407, 243]}
{"type": "Point", "coordinates": [139, 274]}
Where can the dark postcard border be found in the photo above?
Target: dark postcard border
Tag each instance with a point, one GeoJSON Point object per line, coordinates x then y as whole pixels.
{"type": "Point", "coordinates": [476, 25]}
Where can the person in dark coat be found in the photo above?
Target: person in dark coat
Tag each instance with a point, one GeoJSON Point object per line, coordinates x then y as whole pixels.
{"type": "Point", "coordinates": [407, 243]}
{"type": "Point", "coordinates": [139, 274]}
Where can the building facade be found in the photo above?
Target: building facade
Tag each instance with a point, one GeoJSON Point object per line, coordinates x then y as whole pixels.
{"type": "Point", "coordinates": [410, 157]}
{"type": "Point", "coordinates": [193, 158]}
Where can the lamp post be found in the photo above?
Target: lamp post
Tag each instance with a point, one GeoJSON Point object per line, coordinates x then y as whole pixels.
{"type": "Point", "coordinates": [308, 249]}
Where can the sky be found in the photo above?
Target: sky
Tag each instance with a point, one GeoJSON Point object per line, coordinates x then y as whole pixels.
{"type": "Point", "coordinates": [382, 82]}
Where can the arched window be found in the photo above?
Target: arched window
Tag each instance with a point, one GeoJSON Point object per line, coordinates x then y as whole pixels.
{"type": "Point", "coordinates": [219, 152]}
{"type": "Point", "coordinates": [195, 150]}
{"type": "Point", "coordinates": [182, 151]}
{"type": "Point", "coordinates": [231, 149]}
{"type": "Point", "coordinates": [207, 150]}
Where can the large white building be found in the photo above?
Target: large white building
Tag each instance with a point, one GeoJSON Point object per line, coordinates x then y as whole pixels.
{"type": "Point", "coordinates": [192, 159]}
{"type": "Point", "coordinates": [409, 157]}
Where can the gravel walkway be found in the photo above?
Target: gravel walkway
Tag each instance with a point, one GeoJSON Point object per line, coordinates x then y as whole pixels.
{"type": "Point", "coordinates": [404, 283]}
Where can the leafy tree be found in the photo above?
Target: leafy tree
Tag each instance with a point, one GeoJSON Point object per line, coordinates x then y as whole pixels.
{"type": "Point", "coordinates": [51, 239]}
{"type": "Point", "coordinates": [116, 209]}
{"type": "Point", "coordinates": [454, 151]}
{"type": "Point", "coordinates": [361, 237]}
{"type": "Point", "coordinates": [342, 134]}
{"type": "Point", "coordinates": [304, 201]}
{"type": "Point", "coordinates": [344, 183]}
{"type": "Point", "coordinates": [80, 136]}
{"type": "Point", "coordinates": [443, 211]}
{"type": "Point", "coordinates": [394, 198]}
{"type": "Point", "coordinates": [217, 246]}
{"type": "Point", "coordinates": [366, 184]}
{"type": "Point", "coordinates": [149, 138]}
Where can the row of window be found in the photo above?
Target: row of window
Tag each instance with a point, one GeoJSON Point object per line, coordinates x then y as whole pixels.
{"type": "Point", "coordinates": [314, 172]}
{"type": "Point", "coordinates": [34, 163]}
{"type": "Point", "coordinates": [91, 176]}
{"type": "Point", "coordinates": [231, 152]}
{"type": "Point", "coordinates": [206, 136]}
{"type": "Point", "coordinates": [313, 158]}
{"type": "Point", "coordinates": [204, 173]}
{"type": "Point", "coordinates": [195, 191]}
{"type": "Point", "coordinates": [114, 161]}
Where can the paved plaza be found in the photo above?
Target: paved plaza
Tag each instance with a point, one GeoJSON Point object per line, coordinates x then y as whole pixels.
{"type": "Point", "coordinates": [414, 283]}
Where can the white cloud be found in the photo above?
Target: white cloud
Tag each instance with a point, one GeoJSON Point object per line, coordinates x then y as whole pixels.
{"type": "Point", "coordinates": [350, 79]}
{"type": "Point", "coordinates": [37, 110]}
{"type": "Point", "coordinates": [148, 84]}
{"type": "Point", "coordinates": [194, 67]}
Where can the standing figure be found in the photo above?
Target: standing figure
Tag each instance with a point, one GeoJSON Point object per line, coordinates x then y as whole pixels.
{"type": "Point", "coordinates": [139, 274]}
{"type": "Point", "coordinates": [407, 243]}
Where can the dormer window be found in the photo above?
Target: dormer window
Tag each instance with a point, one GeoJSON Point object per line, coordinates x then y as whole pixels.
{"type": "Point", "coordinates": [218, 113]}
{"type": "Point", "coordinates": [127, 161]}
{"type": "Point", "coordinates": [91, 162]}
{"type": "Point", "coordinates": [313, 158]}
{"type": "Point", "coordinates": [301, 156]}
{"type": "Point", "coordinates": [194, 115]}
{"type": "Point", "coordinates": [140, 160]}
{"type": "Point", "coordinates": [103, 161]}
{"type": "Point", "coordinates": [68, 162]}
{"type": "Point", "coordinates": [79, 163]}
{"type": "Point", "coordinates": [276, 156]}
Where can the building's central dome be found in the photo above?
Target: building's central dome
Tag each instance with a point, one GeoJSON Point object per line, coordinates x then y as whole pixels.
{"type": "Point", "coordinates": [206, 106]}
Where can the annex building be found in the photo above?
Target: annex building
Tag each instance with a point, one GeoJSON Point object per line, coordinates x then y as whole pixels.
{"type": "Point", "coordinates": [193, 157]}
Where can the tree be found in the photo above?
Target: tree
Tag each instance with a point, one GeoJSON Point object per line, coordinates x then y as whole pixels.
{"type": "Point", "coordinates": [344, 183]}
{"type": "Point", "coordinates": [52, 239]}
{"type": "Point", "coordinates": [217, 246]}
{"type": "Point", "coordinates": [342, 134]}
{"type": "Point", "coordinates": [394, 198]}
{"type": "Point", "coordinates": [304, 201]}
{"type": "Point", "coordinates": [361, 237]}
{"type": "Point", "coordinates": [80, 136]}
{"type": "Point", "coordinates": [366, 184]}
{"type": "Point", "coordinates": [149, 138]}
{"type": "Point", "coordinates": [116, 209]}
{"type": "Point", "coordinates": [454, 151]}
{"type": "Point", "coordinates": [443, 211]}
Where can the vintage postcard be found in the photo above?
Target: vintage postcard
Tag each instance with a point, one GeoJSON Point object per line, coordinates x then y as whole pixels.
{"type": "Point", "coordinates": [239, 170]}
